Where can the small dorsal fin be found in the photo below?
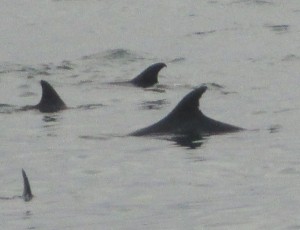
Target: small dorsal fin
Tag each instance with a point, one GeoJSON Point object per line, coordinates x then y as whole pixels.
{"type": "Point", "coordinates": [191, 101]}
{"type": "Point", "coordinates": [50, 101]}
{"type": "Point", "coordinates": [148, 77]}
{"type": "Point", "coordinates": [27, 195]}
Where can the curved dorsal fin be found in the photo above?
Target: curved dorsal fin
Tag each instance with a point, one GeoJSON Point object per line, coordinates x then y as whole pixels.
{"type": "Point", "coordinates": [50, 101]}
{"type": "Point", "coordinates": [27, 195]}
{"type": "Point", "coordinates": [188, 120]}
{"type": "Point", "coordinates": [148, 77]}
{"type": "Point", "coordinates": [190, 102]}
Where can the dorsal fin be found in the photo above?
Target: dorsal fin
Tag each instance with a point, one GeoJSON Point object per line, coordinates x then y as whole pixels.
{"type": "Point", "coordinates": [27, 195]}
{"type": "Point", "coordinates": [148, 77]}
{"type": "Point", "coordinates": [191, 101]}
{"type": "Point", "coordinates": [187, 119]}
{"type": "Point", "coordinates": [50, 101]}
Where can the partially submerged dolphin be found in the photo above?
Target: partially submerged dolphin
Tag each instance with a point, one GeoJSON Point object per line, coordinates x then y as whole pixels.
{"type": "Point", "coordinates": [147, 78]}
{"type": "Point", "coordinates": [187, 119]}
{"type": "Point", "coordinates": [50, 101]}
{"type": "Point", "coordinates": [27, 195]}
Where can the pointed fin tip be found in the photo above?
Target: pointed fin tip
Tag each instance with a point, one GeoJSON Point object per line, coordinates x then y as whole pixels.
{"type": "Point", "coordinates": [196, 93]}
{"type": "Point", "coordinates": [43, 83]}
{"type": "Point", "coordinates": [162, 64]}
{"type": "Point", "coordinates": [158, 65]}
{"type": "Point", "coordinates": [27, 195]}
{"type": "Point", "coordinates": [201, 89]}
{"type": "Point", "coordinates": [191, 100]}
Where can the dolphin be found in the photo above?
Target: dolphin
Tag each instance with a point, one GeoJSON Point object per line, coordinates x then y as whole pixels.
{"type": "Point", "coordinates": [186, 119]}
{"type": "Point", "coordinates": [147, 78]}
{"type": "Point", "coordinates": [50, 101]}
{"type": "Point", "coordinates": [27, 195]}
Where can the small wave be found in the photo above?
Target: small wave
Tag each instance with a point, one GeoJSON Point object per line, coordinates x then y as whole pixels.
{"type": "Point", "coordinates": [7, 109]}
{"type": "Point", "coordinates": [214, 85]}
{"type": "Point", "coordinates": [202, 33]}
{"type": "Point", "coordinates": [258, 2]}
{"type": "Point", "coordinates": [6, 68]}
{"type": "Point", "coordinates": [274, 128]}
{"type": "Point", "coordinates": [179, 59]}
{"type": "Point", "coordinates": [120, 55]}
{"type": "Point", "coordinates": [157, 90]}
{"type": "Point", "coordinates": [286, 110]}
{"type": "Point", "coordinates": [88, 137]}
{"type": "Point", "coordinates": [291, 57]}
{"type": "Point", "coordinates": [190, 141]}
{"type": "Point", "coordinates": [111, 54]}
{"type": "Point", "coordinates": [5, 105]}
{"type": "Point", "coordinates": [154, 105]}
{"type": "Point", "coordinates": [278, 28]}
{"type": "Point", "coordinates": [90, 106]}
{"type": "Point", "coordinates": [27, 94]}
{"type": "Point", "coordinates": [31, 71]}
{"type": "Point", "coordinates": [65, 65]}
{"type": "Point", "coordinates": [50, 118]}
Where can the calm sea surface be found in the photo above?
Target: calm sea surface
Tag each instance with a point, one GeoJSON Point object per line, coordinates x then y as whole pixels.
{"type": "Point", "coordinates": [87, 173]}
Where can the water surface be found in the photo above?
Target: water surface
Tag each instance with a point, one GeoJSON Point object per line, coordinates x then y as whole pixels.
{"type": "Point", "coordinates": [86, 173]}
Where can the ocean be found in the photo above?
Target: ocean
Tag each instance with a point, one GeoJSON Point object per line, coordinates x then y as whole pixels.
{"type": "Point", "coordinates": [86, 172]}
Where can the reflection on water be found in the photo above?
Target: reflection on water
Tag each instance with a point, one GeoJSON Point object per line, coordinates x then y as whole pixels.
{"type": "Point", "coordinates": [274, 128]}
{"type": "Point", "coordinates": [27, 215]}
{"type": "Point", "coordinates": [191, 141]}
{"type": "Point", "coordinates": [50, 118]}
{"type": "Point", "coordinates": [50, 124]}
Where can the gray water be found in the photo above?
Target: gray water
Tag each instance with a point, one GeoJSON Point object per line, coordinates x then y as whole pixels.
{"type": "Point", "coordinates": [86, 173]}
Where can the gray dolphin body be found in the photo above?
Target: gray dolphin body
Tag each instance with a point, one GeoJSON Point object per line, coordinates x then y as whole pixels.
{"type": "Point", "coordinates": [149, 76]}
{"type": "Point", "coordinates": [145, 79]}
{"type": "Point", "coordinates": [50, 101]}
{"type": "Point", "coordinates": [187, 119]}
{"type": "Point", "coordinates": [27, 195]}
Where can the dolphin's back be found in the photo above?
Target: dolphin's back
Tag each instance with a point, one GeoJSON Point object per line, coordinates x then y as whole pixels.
{"type": "Point", "coordinates": [27, 195]}
{"type": "Point", "coordinates": [50, 101]}
{"type": "Point", "coordinates": [187, 119]}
